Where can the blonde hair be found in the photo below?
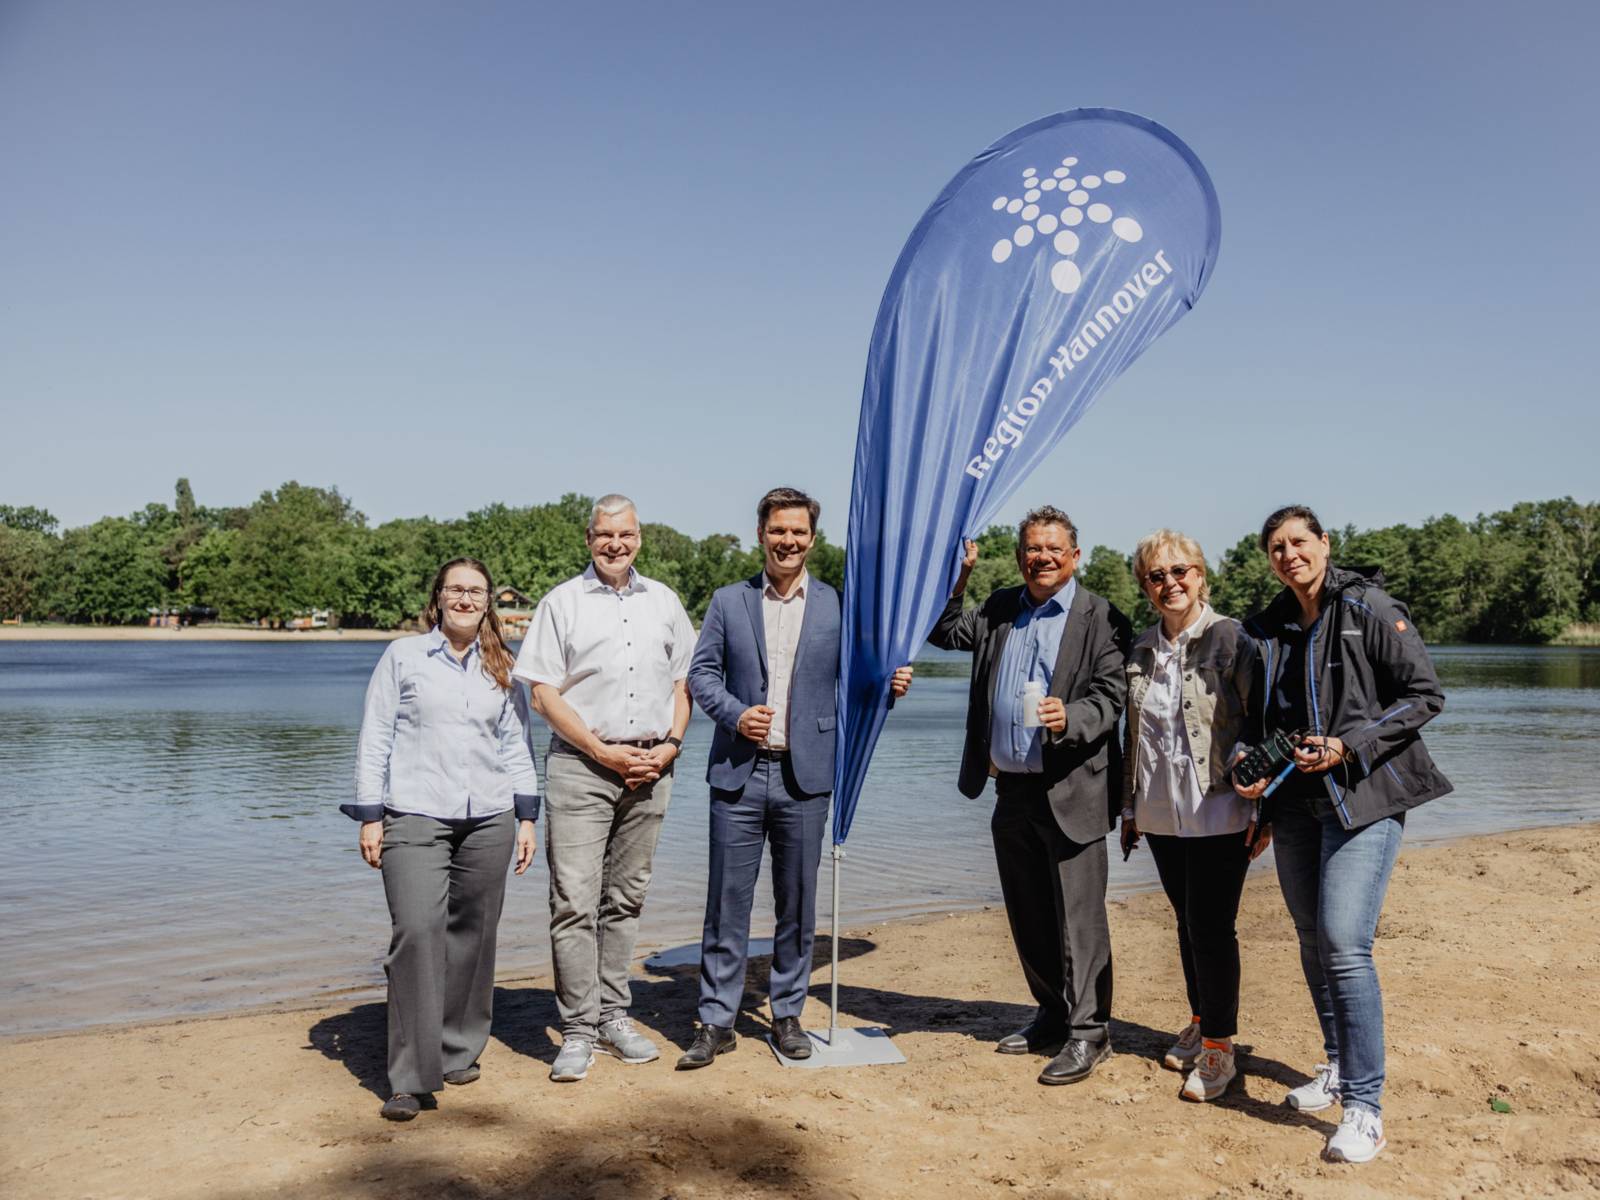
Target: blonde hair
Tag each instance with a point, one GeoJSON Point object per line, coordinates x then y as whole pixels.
{"type": "Point", "coordinates": [1180, 543]}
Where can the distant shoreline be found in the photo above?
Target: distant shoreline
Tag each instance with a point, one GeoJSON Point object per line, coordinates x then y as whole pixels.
{"type": "Point", "coordinates": [192, 633]}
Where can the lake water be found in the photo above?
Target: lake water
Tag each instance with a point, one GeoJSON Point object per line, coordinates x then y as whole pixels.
{"type": "Point", "coordinates": [172, 844]}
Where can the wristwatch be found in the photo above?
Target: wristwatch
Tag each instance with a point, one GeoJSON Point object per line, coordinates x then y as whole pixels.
{"type": "Point", "coordinates": [675, 742]}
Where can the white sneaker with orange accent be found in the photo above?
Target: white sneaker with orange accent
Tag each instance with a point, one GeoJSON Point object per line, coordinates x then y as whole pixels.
{"type": "Point", "coordinates": [1211, 1076]}
{"type": "Point", "coordinates": [1185, 1050]}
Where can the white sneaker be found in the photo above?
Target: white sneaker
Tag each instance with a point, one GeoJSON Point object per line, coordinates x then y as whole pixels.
{"type": "Point", "coordinates": [574, 1060]}
{"type": "Point", "coordinates": [1358, 1139]}
{"type": "Point", "coordinates": [1185, 1050]}
{"type": "Point", "coordinates": [619, 1037]}
{"type": "Point", "coordinates": [1322, 1092]}
{"type": "Point", "coordinates": [1211, 1075]}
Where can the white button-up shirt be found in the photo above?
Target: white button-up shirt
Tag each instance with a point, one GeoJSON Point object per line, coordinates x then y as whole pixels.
{"type": "Point", "coordinates": [1171, 797]}
{"type": "Point", "coordinates": [441, 738]}
{"type": "Point", "coordinates": [613, 654]}
{"type": "Point", "coordinates": [781, 617]}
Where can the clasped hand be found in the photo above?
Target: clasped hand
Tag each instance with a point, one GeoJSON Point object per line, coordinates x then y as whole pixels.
{"type": "Point", "coordinates": [637, 766]}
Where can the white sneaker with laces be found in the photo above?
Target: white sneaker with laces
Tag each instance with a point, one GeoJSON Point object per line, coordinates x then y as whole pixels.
{"type": "Point", "coordinates": [573, 1061]}
{"type": "Point", "coordinates": [1185, 1050]}
{"type": "Point", "coordinates": [1211, 1076]}
{"type": "Point", "coordinates": [619, 1037]}
{"type": "Point", "coordinates": [1358, 1139]}
{"type": "Point", "coordinates": [1322, 1092]}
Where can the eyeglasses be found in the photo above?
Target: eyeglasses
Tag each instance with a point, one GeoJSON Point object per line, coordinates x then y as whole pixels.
{"type": "Point", "coordinates": [454, 591]}
{"type": "Point", "coordinates": [1178, 571]}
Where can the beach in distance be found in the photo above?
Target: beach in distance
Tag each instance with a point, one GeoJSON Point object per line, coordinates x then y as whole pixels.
{"type": "Point", "coordinates": [1490, 969]}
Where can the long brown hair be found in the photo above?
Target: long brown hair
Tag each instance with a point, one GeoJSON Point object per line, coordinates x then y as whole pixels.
{"type": "Point", "coordinates": [497, 656]}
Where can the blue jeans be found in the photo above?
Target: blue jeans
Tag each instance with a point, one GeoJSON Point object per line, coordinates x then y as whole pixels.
{"type": "Point", "coordinates": [1333, 881]}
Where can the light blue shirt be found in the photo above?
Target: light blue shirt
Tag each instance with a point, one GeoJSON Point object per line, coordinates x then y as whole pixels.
{"type": "Point", "coordinates": [1029, 655]}
{"type": "Point", "coordinates": [440, 738]}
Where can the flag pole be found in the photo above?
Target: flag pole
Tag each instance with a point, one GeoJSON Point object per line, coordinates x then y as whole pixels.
{"type": "Point", "coordinates": [833, 985]}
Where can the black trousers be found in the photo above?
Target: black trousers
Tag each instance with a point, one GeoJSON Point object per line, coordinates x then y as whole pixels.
{"type": "Point", "coordinates": [1055, 893]}
{"type": "Point", "coordinates": [1203, 877]}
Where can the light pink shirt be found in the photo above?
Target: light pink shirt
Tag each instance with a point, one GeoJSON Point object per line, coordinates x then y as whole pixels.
{"type": "Point", "coordinates": [781, 617]}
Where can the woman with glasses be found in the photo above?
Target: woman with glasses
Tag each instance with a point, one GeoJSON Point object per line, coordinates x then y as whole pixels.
{"type": "Point", "coordinates": [1189, 682]}
{"type": "Point", "coordinates": [1344, 673]}
{"type": "Point", "coordinates": [445, 788]}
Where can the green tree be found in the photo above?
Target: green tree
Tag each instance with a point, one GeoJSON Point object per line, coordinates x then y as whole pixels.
{"type": "Point", "coordinates": [1110, 574]}
{"type": "Point", "coordinates": [1243, 583]}
{"type": "Point", "coordinates": [295, 552]}
{"type": "Point", "coordinates": [28, 518]}
{"type": "Point", "coordinates": [996, 566]}
{"type": "Point", "coordinates": [109, 573]}
{"type": "Point", "coordinates": [27, 559]}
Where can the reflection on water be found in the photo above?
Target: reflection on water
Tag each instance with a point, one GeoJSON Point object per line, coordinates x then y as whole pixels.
{"type": "Point", "coordinates": [173, 846]}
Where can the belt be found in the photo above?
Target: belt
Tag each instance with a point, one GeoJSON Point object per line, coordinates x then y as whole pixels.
{"type": "Point", "coordinates": [769, 755]}
{"type": "Point", "coordinates": [560, 745]}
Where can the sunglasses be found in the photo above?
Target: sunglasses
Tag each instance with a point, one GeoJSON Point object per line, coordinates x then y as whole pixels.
{"type": "Point", "coordinates": [1158, 577]}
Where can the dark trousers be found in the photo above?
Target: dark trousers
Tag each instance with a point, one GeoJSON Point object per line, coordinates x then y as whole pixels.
{"type": "Point", "coordinates": [446, 884]}
{"type": "Point", "coordinates": [769, 808]}
{"type": "Point", "coordinates": [1055, 894]}
{"type": "Point", "coordinates": [1203, 878]}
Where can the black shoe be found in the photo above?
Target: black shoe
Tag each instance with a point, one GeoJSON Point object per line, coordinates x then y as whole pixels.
{"type": "Point", "coordinates": [1076, 1061]}
{"type": "Point", "coordinates": [791, 1040]}
{"type": "Point", "coordinates": [463, 1076]}
{"type": "Point", "coordinates": [709, 1041]}
{"type": "Point", "coordinates": [1033, 1038]}
{"type": "Point", "coordinates": [400, 1107]}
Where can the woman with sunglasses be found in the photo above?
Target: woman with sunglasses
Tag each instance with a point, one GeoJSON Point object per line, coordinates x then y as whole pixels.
{"type": "Point", "coordinates": [445, 787]}
{"type": "Point", "coordinates": [1345, 674]}
{"type": "Point", "coordinates": [1189, 682]}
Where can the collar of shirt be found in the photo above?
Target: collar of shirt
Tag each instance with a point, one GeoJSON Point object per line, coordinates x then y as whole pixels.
{"type": "Point", "coordinates": [770, 589]}
{"type": "Point", "coordinates": [439, 644]}
{"type": "Point", "coordinates": [1166, 646]}
{"type": "Point", "coordinates": [593, 583]}
{"type": "Point", "coordinates": [1059, 603]}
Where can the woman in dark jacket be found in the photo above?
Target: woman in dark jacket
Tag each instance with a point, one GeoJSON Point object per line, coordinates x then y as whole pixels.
{"type": "Point", "coordinates": [1343, 666]}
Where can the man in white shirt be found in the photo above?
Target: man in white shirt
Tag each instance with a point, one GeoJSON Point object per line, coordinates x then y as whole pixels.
{"type": "Point", "coordinates": [607, 657]}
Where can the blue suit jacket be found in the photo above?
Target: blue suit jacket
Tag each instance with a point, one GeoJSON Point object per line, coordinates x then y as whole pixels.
{"type": "Point", "coordinates": [729, 673]}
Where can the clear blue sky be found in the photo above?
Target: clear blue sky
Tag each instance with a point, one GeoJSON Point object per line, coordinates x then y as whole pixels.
{"type": "Point", "coordinates": [441, 254]}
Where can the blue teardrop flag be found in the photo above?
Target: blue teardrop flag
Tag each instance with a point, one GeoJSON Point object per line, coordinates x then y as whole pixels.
{"type": "Point", "coordinates": [1041, 272]}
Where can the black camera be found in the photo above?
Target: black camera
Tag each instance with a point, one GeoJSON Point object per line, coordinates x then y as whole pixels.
{"type": "Point", "coordinates": [1268, 759]}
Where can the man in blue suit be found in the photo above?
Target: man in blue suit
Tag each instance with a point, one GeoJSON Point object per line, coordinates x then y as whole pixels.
{"type": "Point", "coordinates": [766, 670]}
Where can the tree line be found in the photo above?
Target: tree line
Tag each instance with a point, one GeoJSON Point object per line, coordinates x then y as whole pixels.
{"type": "Point", "coordinates": [1523, 575]}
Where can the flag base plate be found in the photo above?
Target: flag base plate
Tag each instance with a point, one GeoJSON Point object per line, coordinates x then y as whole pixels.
{"type": "Point", "coordinates": [850, 1048]}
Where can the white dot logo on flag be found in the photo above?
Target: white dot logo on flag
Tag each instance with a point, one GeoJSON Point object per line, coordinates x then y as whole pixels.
{"type": "Point", "coordinates": [1066, 276]}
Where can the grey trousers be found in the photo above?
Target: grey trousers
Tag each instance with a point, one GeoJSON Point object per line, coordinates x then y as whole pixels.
{"type": "Point", "coordinates": [446, 884]}
{"type": "Point", "coordinates": [1055, 894]}
{"type": "Point", "coordinates": [600, 842]}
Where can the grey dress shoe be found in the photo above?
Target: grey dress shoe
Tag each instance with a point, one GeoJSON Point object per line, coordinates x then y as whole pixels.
{"type": "Point", "coordinates": [464, 1076]}
{"type": "Point", "coordinates": [709, 1041]}
{"type": "Point", "coordinates": [1036, 1037]}
{"type": "Point", "coordinates": [791, 1040]}
{"type": "Point", "coordinates": [401, 1106]}
{"type": "Point", "coordinates": [1076, 1061]}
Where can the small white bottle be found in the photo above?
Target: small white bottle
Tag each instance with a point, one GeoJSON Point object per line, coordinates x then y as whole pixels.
{"type": "Point", "coordinates": [1032, 697]}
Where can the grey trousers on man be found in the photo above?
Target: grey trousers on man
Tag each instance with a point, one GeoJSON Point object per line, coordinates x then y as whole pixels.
{"type": "Point", "coordinates": [600, 842]}
{"type": "Point", "coordinates": [446, 884]}
{"type": "Point", "coordinates": [1055, 894]}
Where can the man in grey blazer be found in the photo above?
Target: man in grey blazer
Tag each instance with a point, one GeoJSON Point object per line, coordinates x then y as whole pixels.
{"type": "Point", "coordinates": [1047, 690]}
{"type": "Point", "coordinates": [766, 670]}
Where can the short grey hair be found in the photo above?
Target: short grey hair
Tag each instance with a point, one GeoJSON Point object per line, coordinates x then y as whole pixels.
{"type": "Point", "coordinates": [1046, 514]}
{"type": "Point", "coordinates": [610, 505]}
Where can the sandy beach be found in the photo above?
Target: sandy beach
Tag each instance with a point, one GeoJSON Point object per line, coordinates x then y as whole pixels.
{"type": "Point", "coordinates": [192, 633]}
{"type": "Point", "coordinates": [1490, 968]}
